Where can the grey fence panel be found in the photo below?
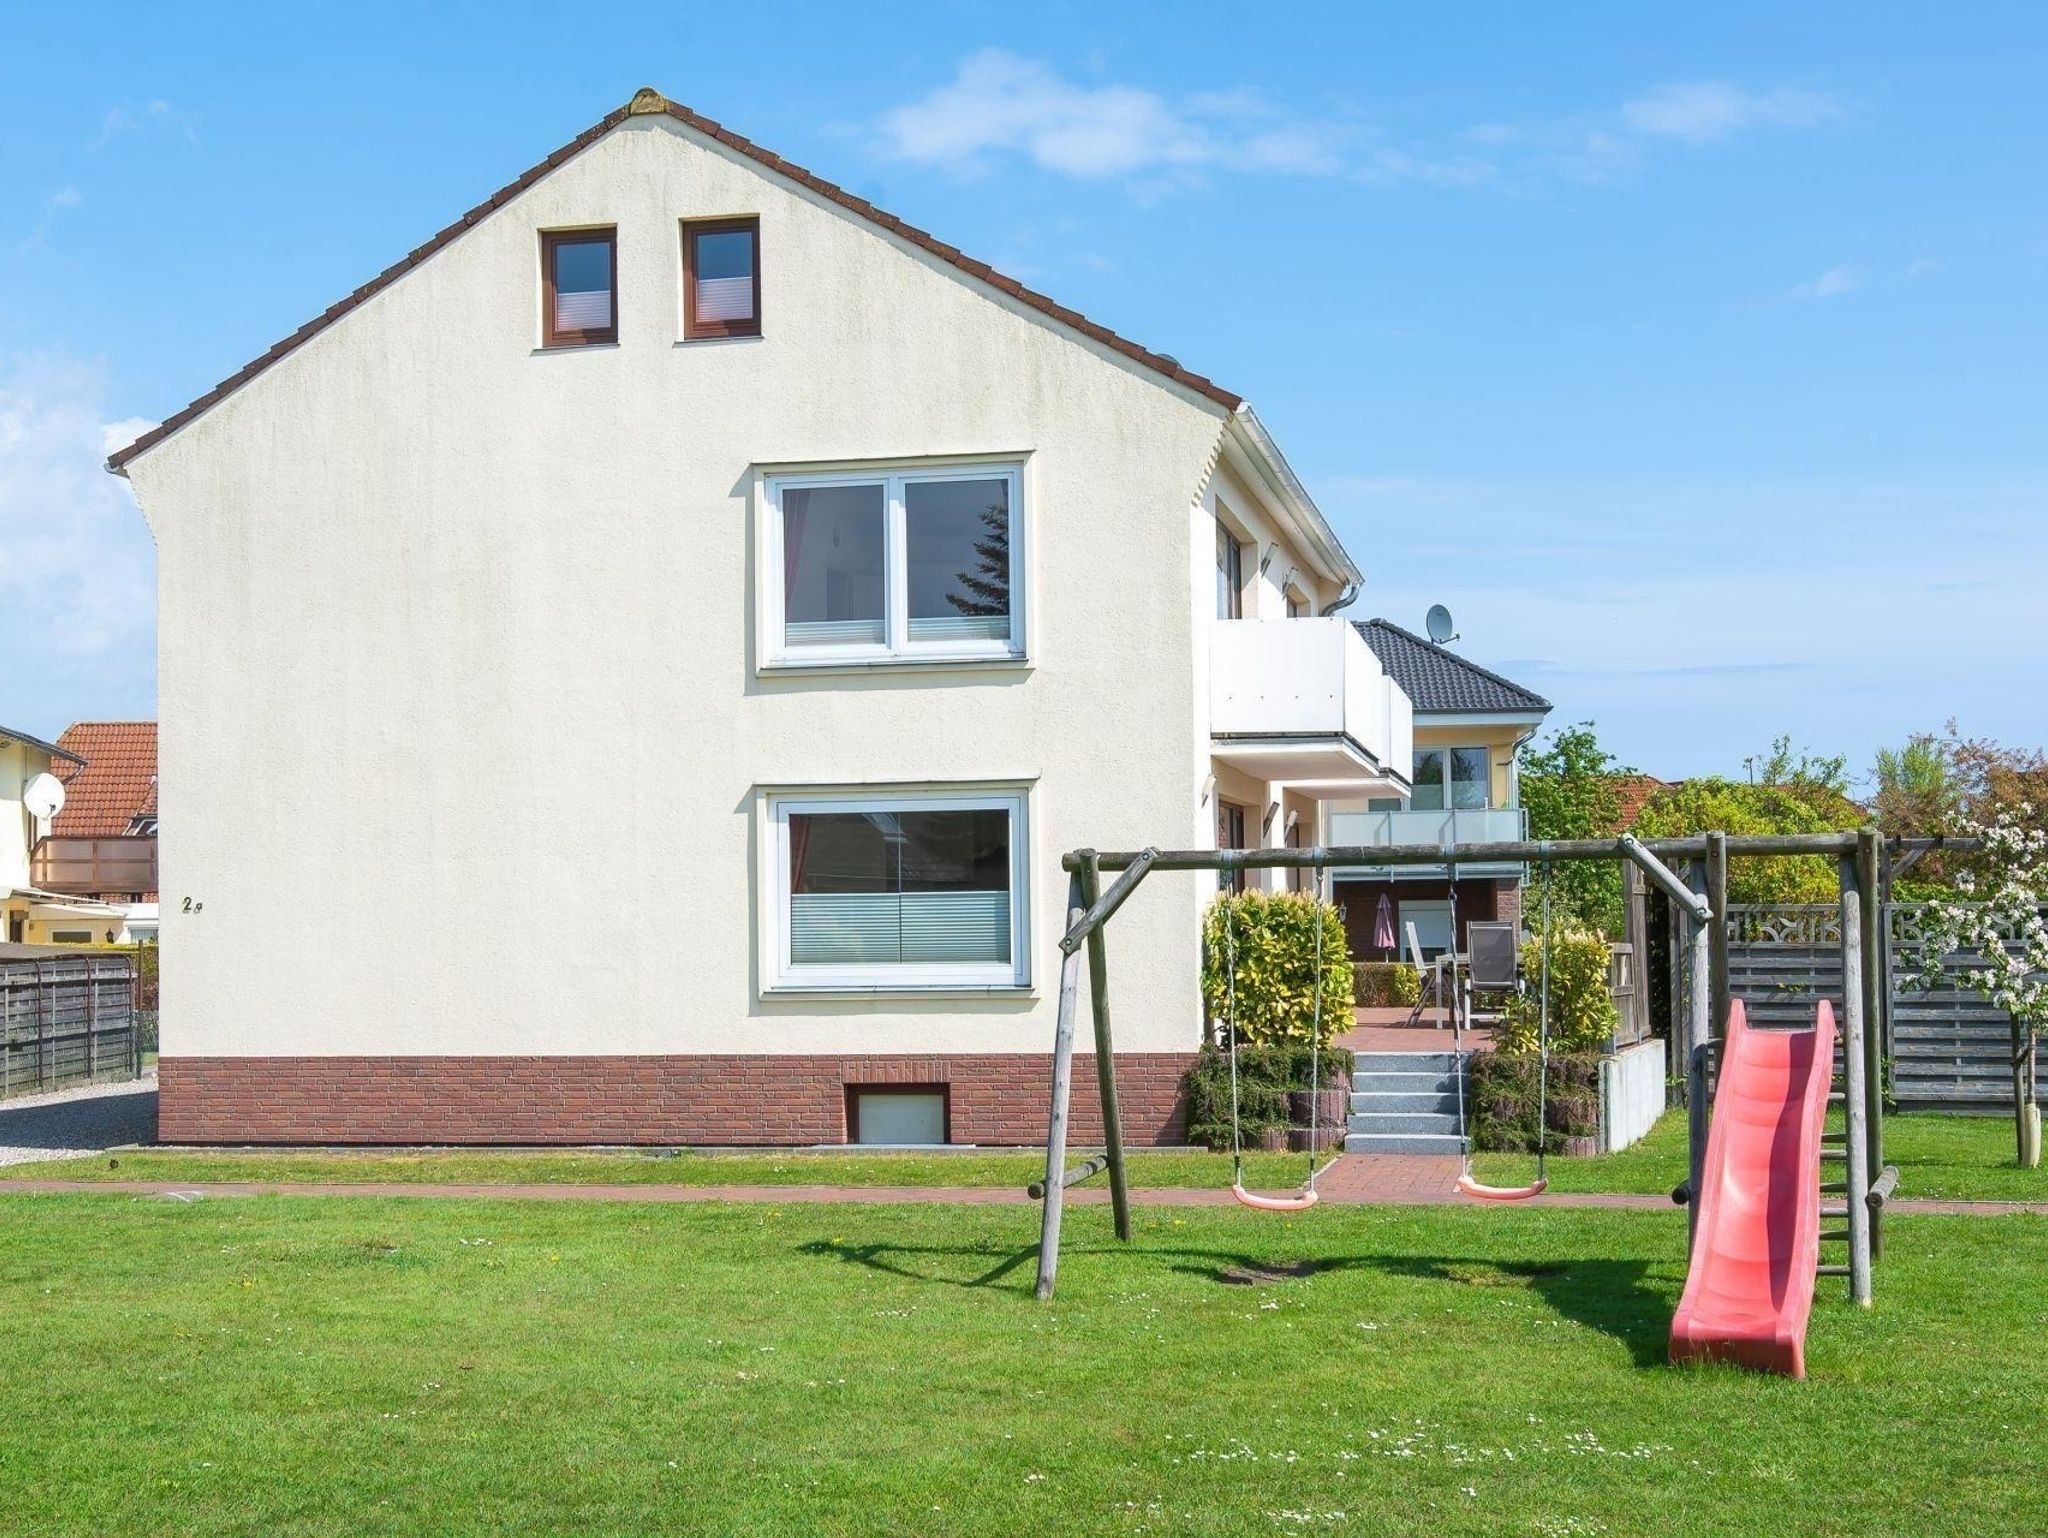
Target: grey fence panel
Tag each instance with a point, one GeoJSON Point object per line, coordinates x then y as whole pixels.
{"type": "Point", "coordinates": [1950, 1048]}
{"type": "Point", "coordinates": [67, 1020]}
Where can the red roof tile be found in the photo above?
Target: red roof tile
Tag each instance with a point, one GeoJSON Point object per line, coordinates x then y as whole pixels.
{"type": "Point", "coordinates": [649, 102]}
{"type": "Point", "coordinates": [117, 782]}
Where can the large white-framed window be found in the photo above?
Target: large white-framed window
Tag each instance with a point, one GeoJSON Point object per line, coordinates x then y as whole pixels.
{"type": "Point", "coordinates": [899, 890]}
{"type": "Point", "coordinates": [1459, 779]}
{"type": "Point", "coordinates": [912, 564]}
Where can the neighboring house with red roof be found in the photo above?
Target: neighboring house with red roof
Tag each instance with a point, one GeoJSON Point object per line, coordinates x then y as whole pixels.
{"type": "Point", "coordinates": [102, 842]}
{"type": "Point", "coordinates": [747, 598]}
{"type": "Point", "coordinates": [32, 912]}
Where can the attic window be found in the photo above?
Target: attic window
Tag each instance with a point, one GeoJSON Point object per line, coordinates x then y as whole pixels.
{"type": "Point", "coordinates": [579, 287]}
{"type": "Point", "coordinates": [722, 278]}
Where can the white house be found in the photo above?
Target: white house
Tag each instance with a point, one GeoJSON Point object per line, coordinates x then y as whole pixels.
{"type": "Point", "coordinates": [676, 619]}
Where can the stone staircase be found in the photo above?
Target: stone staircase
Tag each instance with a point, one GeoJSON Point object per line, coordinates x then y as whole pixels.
{"type": "Point", "coordinates": [1404, 1102]}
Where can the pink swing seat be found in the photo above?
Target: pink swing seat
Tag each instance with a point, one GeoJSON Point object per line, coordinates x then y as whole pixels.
{"type": "Point", "coordinates": [1301, 1203]}
{"type": "Point", "coordinates": [1487, 1193]}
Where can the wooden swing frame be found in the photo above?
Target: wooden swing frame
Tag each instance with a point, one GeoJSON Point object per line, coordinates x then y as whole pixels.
{"type": "Point", "coordinates": [1862, 859]}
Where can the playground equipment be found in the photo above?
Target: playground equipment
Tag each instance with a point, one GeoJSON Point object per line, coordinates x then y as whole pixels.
{"type": "Point", "coordinates": [1701, 904]}
{"type": "Point", "coordinates": [1750, 1287]}
{"type": "Point", "coordinates": [1466, 1183]}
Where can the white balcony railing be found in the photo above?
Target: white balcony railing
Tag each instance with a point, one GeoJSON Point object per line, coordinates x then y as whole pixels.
{"type": "Point", "coordinates": [1468, 825]}
{"type": "Point", "coordinates": [1306, 679]}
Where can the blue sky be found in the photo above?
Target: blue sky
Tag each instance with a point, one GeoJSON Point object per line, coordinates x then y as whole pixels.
{"type": "Point", "coordinates": [1695, 358]}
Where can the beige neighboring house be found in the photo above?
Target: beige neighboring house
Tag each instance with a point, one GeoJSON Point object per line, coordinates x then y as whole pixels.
{"type": "Point", "coordinates": [30, 912]}
{"type": "Point", "coordinates": [741, 599]}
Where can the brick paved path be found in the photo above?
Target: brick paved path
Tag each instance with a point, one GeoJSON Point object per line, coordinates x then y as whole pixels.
{"type": "Point", "coordinates": [1354, 1180]}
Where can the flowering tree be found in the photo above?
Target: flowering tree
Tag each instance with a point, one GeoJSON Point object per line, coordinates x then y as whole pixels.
{"type": "Point", "coordinates": [1997, 918]}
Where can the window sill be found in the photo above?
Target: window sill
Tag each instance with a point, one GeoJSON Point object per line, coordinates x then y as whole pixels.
{"type": "Point", "coordinates": [940, 663]}
{"type": "Point", "coordinates": [700, 341]}
{"type": "Point", "coordinates": [1022, 992]}
{"type": "Point", "coordinates": [549, 349]}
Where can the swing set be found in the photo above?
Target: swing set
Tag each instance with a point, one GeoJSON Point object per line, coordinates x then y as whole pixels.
{"type": "Point", "coordinates": [1699, 906]}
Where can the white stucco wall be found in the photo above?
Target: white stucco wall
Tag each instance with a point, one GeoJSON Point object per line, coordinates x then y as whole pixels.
{"type": "Point", "coordinates": [461, 733]}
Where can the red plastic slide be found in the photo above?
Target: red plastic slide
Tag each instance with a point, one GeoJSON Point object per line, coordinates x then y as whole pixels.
{"type": "Point", "coordinates": [1757, 1246]}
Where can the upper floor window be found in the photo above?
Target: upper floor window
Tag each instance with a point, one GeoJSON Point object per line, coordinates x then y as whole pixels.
{"type": "Point", "coordinates": [899, 566]}
{"type": "Point", "coordinates": [1297, 606]}
{"type": "Point", "coordinates": [1450, 778]}
{"type": "Point", "coordinates": [579, 287]}
{"type": "Point", "coordinates": [1229, 574]}
{"type": "Point", "coordinates": [722, 278]}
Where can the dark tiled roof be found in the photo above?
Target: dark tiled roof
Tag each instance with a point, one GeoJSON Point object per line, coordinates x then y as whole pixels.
{"type": "Point", "coordinates": [647, 103]}
{"type": "Point", "coordinates": [1437, 680]}
{"type": "Point", "coordinates": [116, 783]}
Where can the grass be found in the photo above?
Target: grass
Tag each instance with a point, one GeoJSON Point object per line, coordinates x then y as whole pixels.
{"type": "Point", "coordinates": [272, 1366]}
{"type": "Point", "coordinates": [1178, 1167]}
{"type": "Point", "coordinates": [1958, 1158]}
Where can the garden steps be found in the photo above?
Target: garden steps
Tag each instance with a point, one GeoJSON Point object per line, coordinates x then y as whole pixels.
{"type": "Point", "coordinates": [1404, 1102]}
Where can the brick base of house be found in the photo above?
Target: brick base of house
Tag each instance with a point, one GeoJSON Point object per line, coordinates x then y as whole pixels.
{"type": "Point", "coordinates": [992, 1098]}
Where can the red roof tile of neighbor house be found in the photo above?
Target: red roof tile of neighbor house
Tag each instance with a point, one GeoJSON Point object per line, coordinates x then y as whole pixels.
{"type": "Point", "coordinates": [649, 102]}
{"type": "Point", "coordinates": [1634, 791]}
{"type": "Point", "coordinates": [116, 784]}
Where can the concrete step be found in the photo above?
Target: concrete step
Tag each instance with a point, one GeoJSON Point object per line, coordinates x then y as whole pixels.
{"type": "Point", "coordinates": [1376, 1099]}
{"type": "Point", "coordinates": [1403, 1143]}
{"type": "Point", "coordinates": [1404, 1123]}
{"type": "Point", "coordinates": [1397, 1083]}
{"type": "Point", "coordinates": [1405, 1062]}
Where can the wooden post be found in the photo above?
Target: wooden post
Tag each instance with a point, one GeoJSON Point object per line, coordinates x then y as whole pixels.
{"type": "Point", "coordinates": [1870, 918]}
{"type": "Point", "coordinates": [1700, 1031]}
{"type": "Point", "coordinates": [1062, 1088]}
{"type": "Point", "coordinates": [1717, 948]}
{"type": "Point", "coordinates": [1105, 1052]}
{"type": "Point", "coordinates": [1855, 1022]}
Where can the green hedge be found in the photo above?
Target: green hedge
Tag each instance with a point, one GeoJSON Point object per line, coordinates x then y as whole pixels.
{"type": "Point", "coordinates": [1265, 1078]}
{"type": "Point", "coordinates": [1502, 1112]}
{"type": "Point", "coordinates": [1386, 984]}
{"type": "Point", "coordinates": [1582, 1013]}
{"type": "Point", "coordinates": [1274, 939]}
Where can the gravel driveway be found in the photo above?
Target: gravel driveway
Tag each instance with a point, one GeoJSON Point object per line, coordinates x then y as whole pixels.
{"type": "Point", "coordinates": [77, 1121]}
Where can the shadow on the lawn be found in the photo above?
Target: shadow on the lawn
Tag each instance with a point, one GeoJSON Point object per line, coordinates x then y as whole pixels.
{"type": "Point", "coordinates": [1609, 1295]}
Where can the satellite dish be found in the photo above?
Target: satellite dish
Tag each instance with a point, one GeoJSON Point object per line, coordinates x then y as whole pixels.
{"type": "Point", "coordinates": [43, 796]}
{"type": "Point", "coordinates": [1439, 624]}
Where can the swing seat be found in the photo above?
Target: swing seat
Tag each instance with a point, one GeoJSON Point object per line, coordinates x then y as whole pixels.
{"type": "Point", "coordinates": [1301, 1203]}
{"type": "Point", "coordinates": [1487, 1193]}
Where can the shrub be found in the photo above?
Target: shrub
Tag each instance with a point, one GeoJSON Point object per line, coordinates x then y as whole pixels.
{"type": "Point", "coordinates": [1265, 1077]}
{"type": "Point", "coordinates": [1502, 1112]}
{"type": "Point", "coordinates": [1582, 1013]}
{"type": "Point", "coordinates": [1273, 936]}
{"type": "Point", "coordinates": [1386, 984]}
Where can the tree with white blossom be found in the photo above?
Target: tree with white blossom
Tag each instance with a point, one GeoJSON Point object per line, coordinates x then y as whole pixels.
{"type": "Point", "coordinates": [1995, 920]}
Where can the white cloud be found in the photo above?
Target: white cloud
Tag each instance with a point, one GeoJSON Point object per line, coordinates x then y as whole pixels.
{"type": "Point", "coordinates": [1836, 280]}
{"type": "Point", "coordinates": [1701, 111]}
{"type": "Point", "coordinates": [157, 114]}
{"type": "Point", "coordinates": [77, 568]}
{"type": "Point", "coordinates": [1001, 103]}
{"type": "Point", "coordinates": [57, 202]}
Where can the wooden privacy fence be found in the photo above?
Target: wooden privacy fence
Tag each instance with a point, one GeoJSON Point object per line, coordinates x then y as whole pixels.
{"type": "Point", "coordinates": [1949, 1047]}
{"type": "Point", "coordinates": [67, 1020]}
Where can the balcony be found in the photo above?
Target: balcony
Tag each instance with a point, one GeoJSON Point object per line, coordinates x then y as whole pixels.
{"type": "Point", "coordinates": [101, 867]}
{"type": "Point", "coordinates": [1306, 702]}
{"type": "Point", "coordinates": [1471, 825]}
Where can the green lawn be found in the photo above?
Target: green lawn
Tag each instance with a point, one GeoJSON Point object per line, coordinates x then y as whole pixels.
{"type": "Point", "coordinates": [274, 1366]}
{"type": "Point", "coordinates": [1962, 1158]}
{"type": "Point", "coordinates": [1150, 1167]}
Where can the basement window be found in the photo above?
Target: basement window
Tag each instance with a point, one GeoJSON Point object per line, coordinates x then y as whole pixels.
{"type": "Point", "coordinates": [721, 278]}
{"type": "Point", "coordinates": [898, 1115]}
{"type": "Point", "coordinates": [579, 287]}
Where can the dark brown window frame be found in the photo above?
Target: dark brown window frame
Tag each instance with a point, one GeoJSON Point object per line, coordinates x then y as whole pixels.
{"type": "Point", "coordinates": [695, 330]}
{"type": "Point", "coordinates": [550, 241]}
{"type": "Point", "coordinates": [855, 1091]}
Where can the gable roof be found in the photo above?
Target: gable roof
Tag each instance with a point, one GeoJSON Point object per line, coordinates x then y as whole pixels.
{"type": "Point", "coordinates": [9, 734]}
{"type": "Point", "coordinates": [650, 102]}
{"type": "Point", "coordinates": [1440, 682]}
{"type": "Point", "coordinates": [114, 783]}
